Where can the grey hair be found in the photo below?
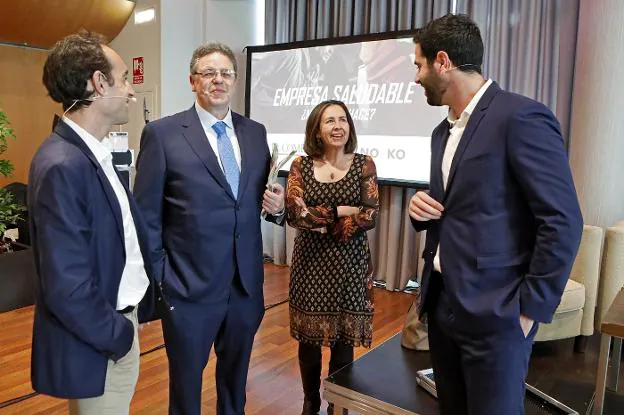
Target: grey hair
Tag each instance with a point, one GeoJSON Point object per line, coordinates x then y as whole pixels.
{"type": "Point", "coordinates": [209, 48]}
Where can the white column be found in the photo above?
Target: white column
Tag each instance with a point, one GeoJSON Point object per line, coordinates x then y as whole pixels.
{"type": "Point", "coordinates": [181, 23]}
{"type": "Point", "coordinates": [597, 128]}
{"type": "Point", "coordinates": [237, 23]}
{"type": "Point", "coordinates": [186, 24]}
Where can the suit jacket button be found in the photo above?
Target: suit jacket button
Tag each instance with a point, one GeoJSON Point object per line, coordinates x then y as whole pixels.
{"type": "Point", "coordinates": [237, 235]}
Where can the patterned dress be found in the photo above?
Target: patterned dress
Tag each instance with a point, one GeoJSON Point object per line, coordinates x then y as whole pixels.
{"type": "Point", "coordinates": [331, 274]}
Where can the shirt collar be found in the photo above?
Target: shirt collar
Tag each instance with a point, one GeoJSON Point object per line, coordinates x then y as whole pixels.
{"type": "Point", "coordinates": [98, 149]}
{"type": "Point", "coordinates": [467, 112]}
{"type": "Point", "coordinates": [208, 120]}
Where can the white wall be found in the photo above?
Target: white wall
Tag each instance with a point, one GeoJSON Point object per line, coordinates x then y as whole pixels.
{"type": "Point", "coordinates": [181, 29]}
{"type": "Point", "coordinates": [186, 24]}
{"type": "Point", "coordinates": [142, 40]}
{"type": "Point", "coordinates": [167, 43]}
{"type": "Point", "coordinates": [234, 23]}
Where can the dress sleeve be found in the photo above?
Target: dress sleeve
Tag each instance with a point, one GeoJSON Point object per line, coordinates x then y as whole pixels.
{"type": "Point", "coordinates": [304, 217]}
{"type": "Point", "coordinates": [366, 219]}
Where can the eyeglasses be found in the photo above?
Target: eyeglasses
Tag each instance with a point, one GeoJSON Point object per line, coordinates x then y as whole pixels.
{"type": "Point", "coordinates": [227, 74]}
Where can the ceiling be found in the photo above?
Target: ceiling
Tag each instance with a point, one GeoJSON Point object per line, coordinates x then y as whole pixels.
{"type": "Point", "coordinates": [28, 23]}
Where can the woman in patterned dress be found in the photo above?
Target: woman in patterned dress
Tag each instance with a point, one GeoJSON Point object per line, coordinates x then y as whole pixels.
{"type": "Point", "coordinates": [332, 200]}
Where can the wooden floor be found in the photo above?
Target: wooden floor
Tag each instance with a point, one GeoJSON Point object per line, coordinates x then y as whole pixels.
{"type": "Point", "coordinates": [273, 385]}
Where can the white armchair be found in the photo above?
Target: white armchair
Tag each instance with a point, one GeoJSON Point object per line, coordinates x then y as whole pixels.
{"type": "Point", "coordinates": [612, 272]}
{"type": "Point", "coordinates": [576, 313]}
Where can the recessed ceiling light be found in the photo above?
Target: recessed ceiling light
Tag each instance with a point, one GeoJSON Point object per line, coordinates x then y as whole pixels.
{"type": "Point", "coordinates": [144, 16]}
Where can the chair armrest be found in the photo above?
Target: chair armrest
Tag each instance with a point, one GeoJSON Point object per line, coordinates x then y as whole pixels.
{"type": "Point", "coordinates": [612, 271]}
{"type": "Point", "coordinates": [586, 271]}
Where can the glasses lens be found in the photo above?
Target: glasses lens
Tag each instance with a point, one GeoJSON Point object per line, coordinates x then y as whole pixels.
{"type": "Point", "coordinates": [213, 73]}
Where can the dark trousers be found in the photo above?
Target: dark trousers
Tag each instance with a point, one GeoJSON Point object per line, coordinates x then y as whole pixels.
{"type": "Point", "coordinates": [310, 363]}
{"type": "Point", "coordinates": [190, 331]}
{"type": "Point", "coordinates": [476, 374]}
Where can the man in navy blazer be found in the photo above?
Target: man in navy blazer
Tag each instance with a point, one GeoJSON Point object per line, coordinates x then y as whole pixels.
{"type": "Point", "coordinates": [503, 224]}
{"type": "Point", "coordinates": [201, 180]}
{"type": "Point", "coordinates": [87, 238]}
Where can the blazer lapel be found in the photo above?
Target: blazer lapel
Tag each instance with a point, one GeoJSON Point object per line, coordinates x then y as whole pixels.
{"type": "Point", "coordinates": [70, 135]}
{"type": "Point", "coordinates": [469, 132]}
{"type": "Point", "coordinates": [196, 137]}
{"type": "Point", "coordinates": [437, 151]}
{"type": "Point", "coordinates": [244, 142]}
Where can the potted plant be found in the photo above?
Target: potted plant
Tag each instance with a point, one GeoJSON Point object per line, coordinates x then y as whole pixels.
{"type": "Point", "coordinates": [10, 210]}
{"type": "Point", "coordinates": [16, 263]}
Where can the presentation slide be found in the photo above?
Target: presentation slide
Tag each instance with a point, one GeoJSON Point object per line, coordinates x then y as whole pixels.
{"type": "Point", "coordinates": [375, 79]}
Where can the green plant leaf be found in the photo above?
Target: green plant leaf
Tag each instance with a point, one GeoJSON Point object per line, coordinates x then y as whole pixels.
{"type": "Point", "coordinates": [10, 210]}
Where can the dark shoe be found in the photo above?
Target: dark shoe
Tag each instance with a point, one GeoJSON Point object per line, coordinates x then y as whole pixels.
{"type": "Point", "coordinates": [330, 410]}
{"type": "Point", "coordinates": [310, 367]}
{"type": "Point", "coordinates": [311, 407]}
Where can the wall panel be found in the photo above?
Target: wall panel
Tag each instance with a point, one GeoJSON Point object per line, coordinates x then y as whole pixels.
{"type": "Point", "coordinates": [24, 99]}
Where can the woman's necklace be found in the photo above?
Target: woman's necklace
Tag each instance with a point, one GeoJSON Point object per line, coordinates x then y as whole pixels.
{"type": "Point", "coordinates": [334, 170]}
{"type": "Point", "coordinates": [330, 169]}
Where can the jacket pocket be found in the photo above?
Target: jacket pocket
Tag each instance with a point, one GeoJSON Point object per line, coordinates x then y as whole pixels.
{"type": "Point", "coordinates": [502, 260]}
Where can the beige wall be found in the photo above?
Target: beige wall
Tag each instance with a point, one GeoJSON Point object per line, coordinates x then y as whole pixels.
{"type": "Point", "coordinates": [24, 99]}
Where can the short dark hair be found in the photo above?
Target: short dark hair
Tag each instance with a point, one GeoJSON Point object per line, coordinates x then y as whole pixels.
{"type": "Point", "coordinates": [458, 36]}
{"type": "Point", "coordinates": [71, 64]}
{"type": "Point", "coordinates": [209, 48]}
{"type": "Point", "coordinates": [312, 145]}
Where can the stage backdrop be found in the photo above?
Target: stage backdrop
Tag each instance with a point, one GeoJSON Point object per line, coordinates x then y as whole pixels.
{"type": "Point", "coordinates": [372, 75]}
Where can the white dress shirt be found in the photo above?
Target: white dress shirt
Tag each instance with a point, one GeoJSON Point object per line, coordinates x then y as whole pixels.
{"type": "Point", "coordinates": [458, 125]}
{"type": "Point", "coordinates": [207, 121]}
{"type": "Point", "coordinates": [134, 281]}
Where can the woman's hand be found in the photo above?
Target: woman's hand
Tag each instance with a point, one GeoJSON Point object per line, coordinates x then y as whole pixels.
{"type": "Point", "coordinates": [299, 201]}
{"type": "Point", "coordinates": [344, 211]}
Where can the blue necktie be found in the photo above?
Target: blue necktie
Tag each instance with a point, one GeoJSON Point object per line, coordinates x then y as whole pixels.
{"type": "Point", "coordinates": [228, 159]}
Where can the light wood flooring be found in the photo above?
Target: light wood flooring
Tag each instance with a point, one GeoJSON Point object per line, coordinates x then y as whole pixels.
{"type": "Point", "coordinates": [273, 385]}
